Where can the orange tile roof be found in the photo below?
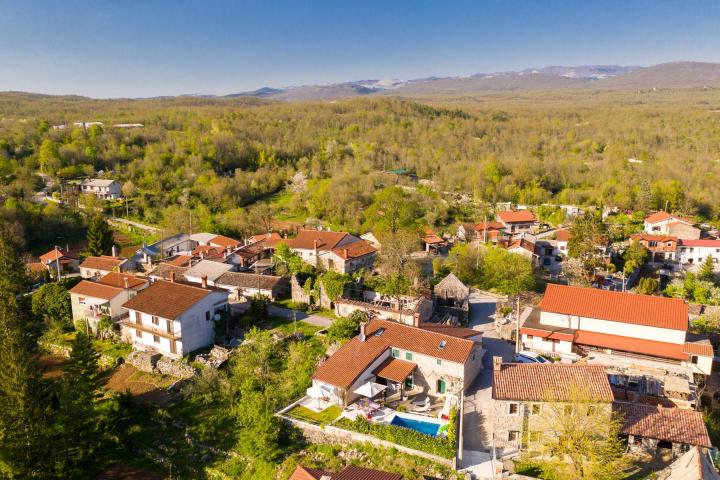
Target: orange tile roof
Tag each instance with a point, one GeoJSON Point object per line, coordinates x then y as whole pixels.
{"type": "Point", "coordinates": [117, 279]}
{"type": "Point", "coordinates": [224, 242]}
{"type": "Point", "coordinates": [677, 425]}
{"type": "Point", "coordinates": [517, 216]}
{"type": "Point", "coordinates": [35, 267]}
{"type": "Point", "coordinates": [208, 251]}
{"type": "Point", "coordinates": [303, 473]}
{"type": "Point", "coordinates": [269, 238]}
{"type": "Point", "coordinates": [180, 261]}
{"type": "Point", "coordinates": [479, 227]}
{"type": "Point", "coordinates": [103, 262]}
{"type": "Point", "coordinates": [349, 473]}
{"type": "Point", "coordinates": [549, 334]}
{"type": "Point", "coordinates": [662, 216]}
{"type": "Point", "coordinates": [395, 369]}
{"type": "Point", "coordinates": [305, 240]}
{"type": "Point", "coordinates": [629, 344]}
{"type": "Point", "coordinates": [52, 255]}
{"type": "Point", "coordinates": [166, 299]}
{"type": "Point", "coordinates": [353, 358]}
{"type": "Point", "coordinates": [550, 382]}
{"type": "Point", "coordinates": [431, 237]}
{"type": "Point", "coordinates": [96, 290]}
{"type": "Point", "coordinates": [563, 235]}
{"type": "Point", "coordinates": [702, 348]}
{"type": "Point", "coordinates": [460, 332]}
{"type": "Point", "coordinates": [647, 310]}
{"type": "Point", "coordinates": [355, 250]}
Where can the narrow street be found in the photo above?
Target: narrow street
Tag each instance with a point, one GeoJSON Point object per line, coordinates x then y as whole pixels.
{"type": "Point", "coordinates": [477, 435]}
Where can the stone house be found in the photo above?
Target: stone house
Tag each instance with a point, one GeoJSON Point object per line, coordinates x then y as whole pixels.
{"type": "Point", "coordinates": [402, 357]}
{"type": "Point", "coordinates": [526, 398]}
{"type": "Point", "coordinates": [337, 251]}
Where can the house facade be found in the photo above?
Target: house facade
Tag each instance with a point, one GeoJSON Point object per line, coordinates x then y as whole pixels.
{"type": "Point", "coordinates": [173, 319]}
{"type": "Point", "coordinates": [101, 188]}
{"type": "Point", "coordinates": [527, 400]}
{"type": "Point", "coordinates": [58, 261]}
{"type": "Point", "coordinates": [573, 321]}
{"type": "Point", "coordinates": [91, 301]}
{"type": "Point", "coordinates": [517, 221]}
{"type": "Point", "coordinates": [694, 252]}
{"type": "Point", "coordinates": [401, 357]}
{"type": "Point", "coordinates": [337, 251]}
{"type": "Point", "coordinates": [661, 247]}
{"type": "Point", "coordinates": [663, 223]}
{"type": "Point", "coordinates": [96, 267]}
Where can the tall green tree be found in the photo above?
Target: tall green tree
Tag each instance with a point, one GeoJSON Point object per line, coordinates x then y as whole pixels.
{"type": "Point", "coordinates": [707, 270]}
{"type": "Point", "coordinates": [23, 422]}
{"type": "Point", "coordinates": [99, 236]}
{"type": "Point", "coordinates": [52, 303]}
{"type": "Point", "coordinates": [589, 236]}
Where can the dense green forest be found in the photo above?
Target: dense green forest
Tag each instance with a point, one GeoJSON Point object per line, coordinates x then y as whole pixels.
{"type": "Point", "coordinates": [220, 159]}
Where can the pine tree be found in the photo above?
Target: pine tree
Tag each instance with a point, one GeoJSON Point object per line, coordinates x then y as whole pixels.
{"type": "Point", "coordinates": [707, 270]}
{"type": "Point", "coordinates": [78, 419]}
{"type": "Point", "coordinates": [100, 237]}
{"type": "Point", "coordinates": [23, 421]}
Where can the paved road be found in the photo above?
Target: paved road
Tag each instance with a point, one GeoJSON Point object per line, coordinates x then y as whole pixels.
{"type": "Point", "coordinates": [478, 401]}
{"type": "Point", "coordinates": [134, 224]}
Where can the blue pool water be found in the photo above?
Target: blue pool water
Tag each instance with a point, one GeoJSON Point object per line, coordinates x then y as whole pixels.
{"type": "Point", "coordinates": [428, 428]}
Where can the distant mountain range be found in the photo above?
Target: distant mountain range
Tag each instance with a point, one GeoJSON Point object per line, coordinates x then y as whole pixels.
{"type": "Point", "coordinates": [601, 77]}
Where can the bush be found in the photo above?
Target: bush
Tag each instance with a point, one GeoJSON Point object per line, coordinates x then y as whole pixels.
{"type": "Point", "coordinates": [406, 437]}
{"type": "Point", "coordinates": [344, 329]}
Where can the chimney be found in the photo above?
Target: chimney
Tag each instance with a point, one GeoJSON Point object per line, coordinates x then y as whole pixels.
{"type": "Point", "coordinates": [203, 279]}
{"type": "Point", "coordinates": [202, 255]}
{"type": "Point", "coordinates": [315, 244]}
{"type": "Point", "coordinates": [416, 319]}
{"type": "Point", "coordinates": [172, 277]}
{"type": "Point", "coordinates": [345, 254]}
{"type": "Point", "coordinates": [497, 363]}
{"type": "Point", "coordinates": [362, 331]}
{"type": "Point", "coordinates": [127, 283]}
{"type": "Point", "coordinates": [114, 251]}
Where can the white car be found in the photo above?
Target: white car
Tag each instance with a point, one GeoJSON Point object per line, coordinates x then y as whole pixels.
{"type": "Point", "coordinates": [526, 356]}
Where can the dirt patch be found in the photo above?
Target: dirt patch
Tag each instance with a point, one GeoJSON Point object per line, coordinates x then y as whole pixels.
{"type": "Point", "coordinates": [123, 472]}
{"type": "Point", "coordinates": [51, 366]}
{"type": "Point", "coordinates": [145, 387]}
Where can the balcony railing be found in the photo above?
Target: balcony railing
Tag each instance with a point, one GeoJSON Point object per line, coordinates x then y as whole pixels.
{"type": "Point", "coordinates": [150, 329]}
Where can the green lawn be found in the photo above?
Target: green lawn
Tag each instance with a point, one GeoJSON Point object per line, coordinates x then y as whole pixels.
{"type": "Point", "coordinates": [112, 349]}
{"type": "Point", "coordinates": [288, 326]}
{"type": "Point", "coordinates": [324, 417]}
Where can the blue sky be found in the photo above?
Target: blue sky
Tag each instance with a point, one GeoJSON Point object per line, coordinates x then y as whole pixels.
{"type": "Point", "coordinates": [106, 48]}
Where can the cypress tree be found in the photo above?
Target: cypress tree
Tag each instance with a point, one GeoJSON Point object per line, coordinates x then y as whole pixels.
{"type": "Point", "coordinates": [707, 270]}
{"type": "Point", "coordinates": [99, 236]}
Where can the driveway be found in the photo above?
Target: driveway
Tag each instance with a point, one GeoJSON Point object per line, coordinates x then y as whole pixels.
{"type": "Point", "coordinates": [477, 432]}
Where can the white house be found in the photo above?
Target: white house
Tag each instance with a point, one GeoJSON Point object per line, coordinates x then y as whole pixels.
{"type": "Point", "coordinates": [337, 251]}
{"type": "Point", "coordinates": [96, 267]}
{"type": "Point", "coordinates": [101, 188]}
{"type": "Point", "coordinates": [172, 318]}
{"type": "Point", "coordinates": [91, 301]}
{"type": "Point", "coordinates": [694, 252]}
{"type": "Point", "coordinates": [517, 221]}
{"type": "Point", "coordinates": [401, 357]}
{"type": "Point", "coordinates": [663, 223]}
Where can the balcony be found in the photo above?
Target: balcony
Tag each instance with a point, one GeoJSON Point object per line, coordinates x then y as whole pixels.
{"type": "Point", "coordinates": [143, 327]}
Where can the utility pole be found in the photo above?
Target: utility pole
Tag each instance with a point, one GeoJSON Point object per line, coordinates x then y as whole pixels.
{"type": "Point", "coordinates": [517, 327]}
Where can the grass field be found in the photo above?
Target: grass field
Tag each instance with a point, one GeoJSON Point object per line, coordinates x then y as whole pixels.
{"type": "Point", "coordinates": [326, 416]}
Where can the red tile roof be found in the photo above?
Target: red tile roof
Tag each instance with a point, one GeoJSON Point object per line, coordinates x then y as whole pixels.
{"type": "Point", "coordinates": [117, 279]}
{"type": "Point", "coordinates": [224, 242]}
{"type": "Point", "coordinates": [269, 238]}
{"type": "Point", "coordinates": [395, 369]}
{"type": "Point", "coordinates": [52, 255]}
{"type": "Point", "coordinates": [711, 243]}
{"type": "Point", "coordinates": [208, 251]}
{"type": "Point", "coordinates": [355, 250]}
{"type": "Point", "coordinates": [548, 334]}
{"type": "Point", "coordinates": [660, 312]}
{"type": "Point", "coordinates": [349, 473]}
{"type": "Point", "coordinates": [517, 216]}
{"type": "Point", "coordinates": [103, 262]}
{"type": "Point", "coordinates": [702, 348]}
{"type": "Point", "coordinates": [180, 261]}
{"type": "Point", "coordinates": [479, 227]}
{"type": "Point", "coordinates": [166, 299]}
{"type": "Point", "coordinates": [431, 237]}
{"type": "Point", "coordinates": [676, 425]}
{"type": "Point", "coordinates": [662, 216]}
{"type": "Point", "coordinates": [550, 382]}
{"type": "Point", "coordinates": [563, 235]}
{"type": "Point", "coordinates": [305, 240]}
{"type": "Point", "coordinates": [460, 332]}
{"type": "Point", "coordinates": [96, 290]}
{"type": "Point", "coordinates": [353, 358]}
{"type": "Point", "coordinates": [633, 345]}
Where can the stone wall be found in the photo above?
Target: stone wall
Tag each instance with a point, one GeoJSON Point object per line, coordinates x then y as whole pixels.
{"type": "Point", "coordinates": [167, 366]}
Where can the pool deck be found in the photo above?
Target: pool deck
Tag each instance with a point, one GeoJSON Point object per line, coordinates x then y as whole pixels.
{"type": "Point", "coordinates": [386, 415]}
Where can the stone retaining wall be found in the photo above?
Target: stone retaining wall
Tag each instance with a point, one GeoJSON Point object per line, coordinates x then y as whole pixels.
{"type": "Point", "coordinates": [174, 368]}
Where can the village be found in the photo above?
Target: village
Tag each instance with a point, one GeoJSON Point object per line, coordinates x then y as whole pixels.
{"type": "Point", "coordinates": [471, 379]}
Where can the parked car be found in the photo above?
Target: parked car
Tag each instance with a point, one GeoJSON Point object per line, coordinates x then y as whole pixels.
{"type": "Point", "coordinates": [526, 356]}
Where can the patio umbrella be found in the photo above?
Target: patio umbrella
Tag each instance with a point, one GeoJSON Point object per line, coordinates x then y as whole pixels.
{"type": "Point", "coordinates": [317, 392]}
{"type": "Point", "coordinates": [370, 389]}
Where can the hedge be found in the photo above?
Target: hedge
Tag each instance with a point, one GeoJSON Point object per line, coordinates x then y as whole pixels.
{"type": "Point", "coordinates": [442, 447]}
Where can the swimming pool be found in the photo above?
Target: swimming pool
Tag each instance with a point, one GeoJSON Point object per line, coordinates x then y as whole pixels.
{"type": "Point", "coordinates": [428, 428]}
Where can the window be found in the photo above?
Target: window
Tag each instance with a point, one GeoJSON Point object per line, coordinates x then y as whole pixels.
{"type": "Point", "coordinates": [513, 436]}
{"type": "Point", "coordinates": [473, 357]}
{"type": "Point", "coordinates": [439, 362]}
{"type": "Point", "coordinates": [535, 409]}
{"type": "Point", "coordinates": [694, 359]}
{"type": "Point", "coordinates": [156, 339]}
{"type": "Point", "coordinates": [534, 437]}
{"type": "Point", "coordinates": [568, 410]}
{"type": "Point", "coordinates": [155, 320]}
{"type": "Point", "coordinates": [512, 409]}
{"type": "Point", "coordinates": [408, 356]}
{"type": "Point", "coordinates": [395, 353]}
{"type": "Point", "coordinates": [138, 317]}
{"type": "Point", "coordinates": [591, 410]}
{"type": "Point", "coordinates": [207, 315]}
{"type": "Point", "coordinates": [138, 333]}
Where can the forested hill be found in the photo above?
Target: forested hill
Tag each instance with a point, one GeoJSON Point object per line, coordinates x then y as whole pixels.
{"type": "Point", "coordinates": [218, 158]}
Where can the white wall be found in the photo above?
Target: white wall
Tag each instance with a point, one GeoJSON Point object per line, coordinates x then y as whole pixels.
{"type": "Point", "coordinates": [699, 254]}
{"type": "Point", "coordinates": [613, 328]}
{"type": "Point", "coordinates": [543, 345]}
